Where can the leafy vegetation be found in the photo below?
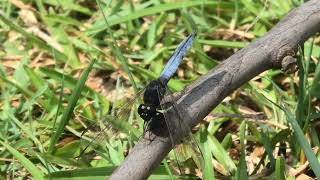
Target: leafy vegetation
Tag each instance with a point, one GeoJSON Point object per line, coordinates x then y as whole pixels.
{"type": "Point", "coordinates": [65, 67]}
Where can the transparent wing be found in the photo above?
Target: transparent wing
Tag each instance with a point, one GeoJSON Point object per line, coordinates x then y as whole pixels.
{"type": "Point", "coordinates": [115, 124]}
{"type": "Point", "coordinates": [189, 148]}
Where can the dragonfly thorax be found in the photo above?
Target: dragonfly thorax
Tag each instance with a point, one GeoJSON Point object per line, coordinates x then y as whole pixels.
{"type": "Point", "coordinates": [146, 111]}
{"type": "Point", "coordinates": [154, 92]}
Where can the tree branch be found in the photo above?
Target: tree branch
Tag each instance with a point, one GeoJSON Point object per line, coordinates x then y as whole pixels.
{"type": "Point", "coordinates": [275, 50]}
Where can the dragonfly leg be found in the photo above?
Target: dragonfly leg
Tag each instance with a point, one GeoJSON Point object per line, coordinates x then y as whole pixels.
{"type": "Point", "coordinates": [145, 124]}
{"type": "Point", "coordinates": [150, 136]}
{"type": "Point", "coordinates": [147, 129]}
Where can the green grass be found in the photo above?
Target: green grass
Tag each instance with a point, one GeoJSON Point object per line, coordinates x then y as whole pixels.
{"type": "Point", "coordinates": [84, 66]}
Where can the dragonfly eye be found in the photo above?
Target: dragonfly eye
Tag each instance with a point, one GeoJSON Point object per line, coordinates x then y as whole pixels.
{"type": "Point", "coordinates": [146, 111]}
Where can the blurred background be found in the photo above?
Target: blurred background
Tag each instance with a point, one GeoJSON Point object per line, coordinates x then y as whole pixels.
{"type": "Point", "coordinates": [65, 68]}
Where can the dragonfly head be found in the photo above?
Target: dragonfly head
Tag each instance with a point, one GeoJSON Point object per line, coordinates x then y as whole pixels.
{"type": "Point", "coordinates": [146, 111]}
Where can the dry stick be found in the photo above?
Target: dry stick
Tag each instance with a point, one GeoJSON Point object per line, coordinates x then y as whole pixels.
{"type": "Point", "coordinates": [275, 50]}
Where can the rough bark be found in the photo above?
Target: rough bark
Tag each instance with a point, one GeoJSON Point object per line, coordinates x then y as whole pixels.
{"type": "Point", "coordinates": [274, 50]}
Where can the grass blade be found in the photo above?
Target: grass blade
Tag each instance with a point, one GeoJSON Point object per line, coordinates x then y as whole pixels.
{"type": "Point", "coordinates": [160, 8]}
{"type": "Point", "coordinates": [314, 163]}
{"type": "Point", "coordinates": [69, 109]}
{"type": "Point", "coordinates": [34, 171]}
{"type": "Point", "coordinates": [33, 39]}
{"type": "Point", "coordinates": [280, 170]}
{"type": "Point", "coordinates": [242, 169]}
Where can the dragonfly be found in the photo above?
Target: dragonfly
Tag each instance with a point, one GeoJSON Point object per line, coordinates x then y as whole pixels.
{"type": "Point", "coordinates": [151, 109]}
{"type": "Point", "coordinates": [157, 89]}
